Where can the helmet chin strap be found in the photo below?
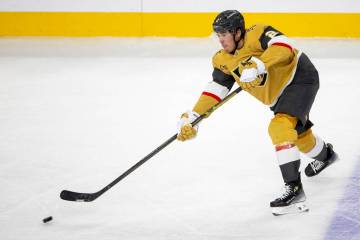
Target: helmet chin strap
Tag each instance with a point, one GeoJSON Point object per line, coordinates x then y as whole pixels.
{"type": "Point", "coordinates": [236, 43]}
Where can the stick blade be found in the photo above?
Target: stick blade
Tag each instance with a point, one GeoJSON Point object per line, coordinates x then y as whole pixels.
{"type": "Point", "coordinates": [76, 196]}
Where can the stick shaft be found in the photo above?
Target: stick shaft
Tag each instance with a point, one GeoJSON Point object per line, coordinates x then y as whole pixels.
{"type": "Point", "coordinates": [167, 142]}
{"type": "Point", "coordinates": [88, 197]}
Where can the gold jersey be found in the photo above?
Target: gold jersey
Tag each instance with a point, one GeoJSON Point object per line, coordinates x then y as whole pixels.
{"type": "Point", "coordinates": [265, 43]}
{"type": "Point", "coordinates": [271, 47]}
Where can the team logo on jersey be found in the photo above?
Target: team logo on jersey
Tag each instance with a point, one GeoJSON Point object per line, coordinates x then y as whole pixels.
{"type": "Point", "coordinates": [246, 62]}
{"type": "Point", "coordinates": [236, 72]}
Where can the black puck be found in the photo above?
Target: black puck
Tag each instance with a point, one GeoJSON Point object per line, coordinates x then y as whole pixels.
{"type": "Point", "coordinates": [47, 219]}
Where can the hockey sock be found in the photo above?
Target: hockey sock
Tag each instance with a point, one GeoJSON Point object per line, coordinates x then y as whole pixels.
{"type": "Point", "coordinates": [319, 151]}
{"type": "Point", "coordinates": [288, 157]}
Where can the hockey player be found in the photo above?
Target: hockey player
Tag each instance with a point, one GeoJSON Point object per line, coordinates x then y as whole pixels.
{"type": "Point", "coordinates": [264, 63]}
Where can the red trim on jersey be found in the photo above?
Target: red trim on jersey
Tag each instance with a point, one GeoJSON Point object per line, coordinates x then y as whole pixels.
{"type": "Point", "coordinates": [283, 45]}
{"type": "Point", "coordinates": [283, 147]}
{"type": "Point", "coordinates": [212, 95]}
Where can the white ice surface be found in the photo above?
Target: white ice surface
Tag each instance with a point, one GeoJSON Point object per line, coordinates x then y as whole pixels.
{"type": "Point", "coordinates": [76, 113]}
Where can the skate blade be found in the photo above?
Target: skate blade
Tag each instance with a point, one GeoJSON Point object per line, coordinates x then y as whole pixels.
{"type": "Point", "coordinates": [293, 208]}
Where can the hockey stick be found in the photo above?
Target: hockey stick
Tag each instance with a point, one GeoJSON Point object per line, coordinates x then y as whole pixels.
{"type": "Point", "coordinates": [88, 197]}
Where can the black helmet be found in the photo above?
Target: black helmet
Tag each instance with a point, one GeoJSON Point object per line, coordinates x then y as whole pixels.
{"type": "Point", "coordinates": [229, 20]}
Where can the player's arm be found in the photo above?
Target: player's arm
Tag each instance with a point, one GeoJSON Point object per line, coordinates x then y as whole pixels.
{"type": "Point", "coordinates": [214, 92]}
{"type": "Point", "coordinates": [277, 50]}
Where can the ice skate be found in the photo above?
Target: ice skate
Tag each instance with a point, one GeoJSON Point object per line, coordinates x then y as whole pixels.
{"type": "Point", "coordinates": [291, 201]}
{"type": "Point", "coordinates": [316, 166]}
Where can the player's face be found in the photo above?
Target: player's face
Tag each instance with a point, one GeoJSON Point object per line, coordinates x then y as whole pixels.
{"type": "Point", "coordinates": [226, 40]}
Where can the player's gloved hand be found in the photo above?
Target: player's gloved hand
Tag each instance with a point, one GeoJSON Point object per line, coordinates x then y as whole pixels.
{"type": "Point", "coordinates": [252, 73]}
{"type": "Point", "coordinates": [185, 130]}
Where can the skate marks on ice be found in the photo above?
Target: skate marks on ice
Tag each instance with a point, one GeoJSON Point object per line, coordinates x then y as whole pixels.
{"type": "Point", "coordinates": [345, 224]}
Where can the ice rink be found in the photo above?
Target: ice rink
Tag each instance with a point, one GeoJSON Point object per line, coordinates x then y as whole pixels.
{"type": "Point", "coordinates": [75, 113]}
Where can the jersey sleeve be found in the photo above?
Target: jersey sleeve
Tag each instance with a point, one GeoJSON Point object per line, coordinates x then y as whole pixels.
{"type": "Point", "coordinates": [223, 79]}
{"type": "Point", "coordinates": [215, 90]}
{"type": "Point", "coordinates": [278, 48]}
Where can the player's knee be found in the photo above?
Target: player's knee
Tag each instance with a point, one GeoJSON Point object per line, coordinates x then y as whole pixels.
{"type": "Point", "coordinates": [282, 129]}
{"type": "Point", "coordinates": [306, 141]}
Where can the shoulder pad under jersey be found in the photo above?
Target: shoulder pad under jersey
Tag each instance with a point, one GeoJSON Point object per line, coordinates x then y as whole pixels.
{"type": "Point", "coordinates": [219, 61]}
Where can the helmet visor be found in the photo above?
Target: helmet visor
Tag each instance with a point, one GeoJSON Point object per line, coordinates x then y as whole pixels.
{"type": "Point", "coordinates": [220, 29]}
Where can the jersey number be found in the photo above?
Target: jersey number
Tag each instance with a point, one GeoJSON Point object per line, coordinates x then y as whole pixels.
{"type": "Point", "coordinates": [271, 34]}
